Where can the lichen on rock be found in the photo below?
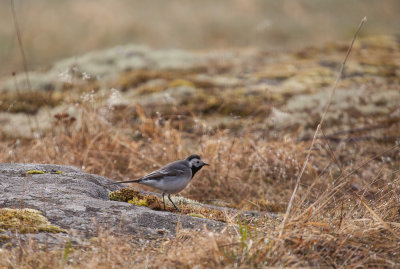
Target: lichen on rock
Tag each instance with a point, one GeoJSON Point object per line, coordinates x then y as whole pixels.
{"type": "Point", "coordinates": [26, 220]}
{"type": "Point", "coordinates": [34, 172]}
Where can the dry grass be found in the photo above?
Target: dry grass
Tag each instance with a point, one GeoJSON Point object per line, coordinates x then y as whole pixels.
{"type": "Point", "coordinates": [242, 167]}
{"type": "Point", "coordinates": [346, 212]}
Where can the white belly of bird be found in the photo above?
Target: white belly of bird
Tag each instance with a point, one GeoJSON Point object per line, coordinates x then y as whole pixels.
{"type": "Point", "coordinates": [168, 185]}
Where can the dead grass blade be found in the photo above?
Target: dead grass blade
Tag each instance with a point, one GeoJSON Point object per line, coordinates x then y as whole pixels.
{"type": "Point", "coordinates": [377, 217]}
{"type": "Point", "coordinates": [289, 207]}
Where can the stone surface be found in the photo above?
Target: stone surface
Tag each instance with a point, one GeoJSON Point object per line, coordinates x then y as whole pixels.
{"type": "Point", "coordinates": [79, 203]}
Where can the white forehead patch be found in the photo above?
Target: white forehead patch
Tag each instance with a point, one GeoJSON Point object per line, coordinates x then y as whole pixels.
{"type": "Point", "coordinates": [195, 162]}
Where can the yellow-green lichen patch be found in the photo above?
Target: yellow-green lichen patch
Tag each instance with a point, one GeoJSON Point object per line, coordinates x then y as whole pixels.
{"type": "Point", "coordinates": [196, 215]}
{"type": "Point", "coordinates": [34, 172]}
{"type": "Point", "coordinates": [26, 220]}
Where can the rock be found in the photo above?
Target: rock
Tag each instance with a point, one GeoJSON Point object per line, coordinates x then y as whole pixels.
{"type": "Point", "coordinates": [79, 203]}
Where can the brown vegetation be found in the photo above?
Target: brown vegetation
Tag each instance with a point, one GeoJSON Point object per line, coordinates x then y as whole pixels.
{"type": "Point", "coordinates": [345, 214]}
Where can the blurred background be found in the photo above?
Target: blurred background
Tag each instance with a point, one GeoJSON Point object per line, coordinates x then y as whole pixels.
{"type": "Point", "coordinates": [55, 29]}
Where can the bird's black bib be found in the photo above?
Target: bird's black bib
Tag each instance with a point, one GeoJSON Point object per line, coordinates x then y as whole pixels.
{"type": "Point", "coordinates": [195, 169]}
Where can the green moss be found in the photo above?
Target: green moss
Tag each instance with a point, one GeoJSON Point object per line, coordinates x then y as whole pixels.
{"type": "Point", "coordinates": [187, 206]}
{"type": "Point", "coordinates": [34, 172]}
{"type": "Point", "coordinates": [132, 196]}
{"type": "Point", "coordinates": [137, 201]}
{"type": "Point", "coordinates": [26, 220]}
{"type": "Point", "coordinates": [124, 195]}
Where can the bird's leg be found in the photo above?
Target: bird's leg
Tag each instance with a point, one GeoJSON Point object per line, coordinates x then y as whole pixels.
{"type": "Point", "coordinates": [163, 199]}
{"type": "Point", "coordinates": [169, 197]}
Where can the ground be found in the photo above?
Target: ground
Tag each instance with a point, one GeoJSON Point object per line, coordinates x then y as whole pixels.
{"type": "Point", "coordinates": [251, 114]}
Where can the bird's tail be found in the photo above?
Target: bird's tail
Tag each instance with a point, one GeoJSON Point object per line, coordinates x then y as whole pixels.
{"type": "Point", "coordinates": [128, 181]}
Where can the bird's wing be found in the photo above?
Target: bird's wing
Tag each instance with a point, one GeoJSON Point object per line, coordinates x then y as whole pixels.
{"type": "Point", "coordinates": [171, 170]}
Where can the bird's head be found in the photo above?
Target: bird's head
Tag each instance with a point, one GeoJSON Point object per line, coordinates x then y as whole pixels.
{"type": "Point", "coordinates": [196, 162]}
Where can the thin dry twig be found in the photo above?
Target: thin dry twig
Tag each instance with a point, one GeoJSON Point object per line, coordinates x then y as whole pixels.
{"type": "Point", "coordinates": [21, 45]}
{"type": "Point", "coordinates": [330, 150]}
{"type": "Point", "coordinates": [319, 127]}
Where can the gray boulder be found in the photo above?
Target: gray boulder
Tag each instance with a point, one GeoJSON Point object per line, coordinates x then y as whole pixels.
{"type": "Point", "coordinates": [79, 203]}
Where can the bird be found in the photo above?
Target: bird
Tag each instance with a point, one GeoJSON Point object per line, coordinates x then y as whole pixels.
{"type": "Point", "coordinates": [173, 177]}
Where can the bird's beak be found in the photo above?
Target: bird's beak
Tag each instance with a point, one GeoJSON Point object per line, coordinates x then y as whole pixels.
{"type": "Point", "coordinates": [205, 163]}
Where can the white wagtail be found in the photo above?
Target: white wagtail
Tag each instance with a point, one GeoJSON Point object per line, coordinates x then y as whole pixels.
{"type": "Point", "coordinates": [173, 177]}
